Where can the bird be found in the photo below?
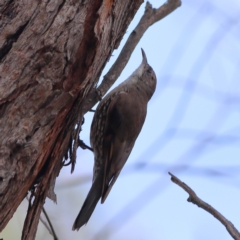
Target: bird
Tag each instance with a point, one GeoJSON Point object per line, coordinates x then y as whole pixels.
{"type": "Point", "coordinates": [116, 125]}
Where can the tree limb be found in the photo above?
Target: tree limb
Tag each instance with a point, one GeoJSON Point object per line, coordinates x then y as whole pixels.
{"type": "Point", "coordinates": [193, 198]}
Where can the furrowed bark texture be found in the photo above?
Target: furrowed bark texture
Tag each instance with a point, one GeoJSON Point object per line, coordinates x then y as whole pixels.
{"type": "Point", "coordinates": [51, 55]}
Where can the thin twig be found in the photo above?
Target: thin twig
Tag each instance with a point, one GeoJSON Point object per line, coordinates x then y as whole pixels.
{"type": "Point", "coordinates": [193, 198]}
{"type": "Point", "coordinates": [45, 225]}
{"type": "Point", "coordinates": [49, 226]}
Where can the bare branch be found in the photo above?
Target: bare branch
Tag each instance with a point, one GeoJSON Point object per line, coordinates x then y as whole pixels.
{"type": "Point", "coordinates": [49, 226]}
{"type": "Point", "coordinates": [150, 16]}
{"type": "Point", "coordinates": [193, 198]}
{"type": "Point", "coordinates": [45, 225]}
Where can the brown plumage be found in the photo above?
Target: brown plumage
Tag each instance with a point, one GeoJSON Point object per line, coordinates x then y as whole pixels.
{"type": "Point", "coordinates": [116, 125]}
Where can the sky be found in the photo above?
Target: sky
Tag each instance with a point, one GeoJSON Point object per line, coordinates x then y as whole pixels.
{"type": "Point", "coordinates": [192, 130]}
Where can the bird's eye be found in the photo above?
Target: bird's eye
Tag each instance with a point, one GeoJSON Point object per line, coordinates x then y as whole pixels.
{"type": "Point", "coordinates": [149, 70]}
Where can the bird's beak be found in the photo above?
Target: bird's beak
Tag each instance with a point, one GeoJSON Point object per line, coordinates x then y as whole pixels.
{"type": "Point", "coordinates": [139, 71]}
{"type": "Point", "coordinates": [144, 60]}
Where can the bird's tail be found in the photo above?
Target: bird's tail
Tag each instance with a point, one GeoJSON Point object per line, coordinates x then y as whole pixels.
{"type": "Point", "coordinates": [89, 203]}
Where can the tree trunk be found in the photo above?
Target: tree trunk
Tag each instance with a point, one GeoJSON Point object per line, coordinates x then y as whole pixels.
{"type": "Point", "coordinates": [51, 56]}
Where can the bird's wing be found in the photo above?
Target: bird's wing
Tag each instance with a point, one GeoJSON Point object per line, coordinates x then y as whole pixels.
{"type": "Point", "coordinates": [125, 118]}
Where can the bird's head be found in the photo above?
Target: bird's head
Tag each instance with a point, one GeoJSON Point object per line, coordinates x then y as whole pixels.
{"type": "Point", "coordinates": [146, 76]}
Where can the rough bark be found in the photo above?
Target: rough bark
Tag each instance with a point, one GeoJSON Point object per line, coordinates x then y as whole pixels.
{"type": "Point", "coordinates": [51, 56]}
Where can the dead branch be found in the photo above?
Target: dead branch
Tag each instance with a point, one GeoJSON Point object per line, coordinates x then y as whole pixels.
{"type": "Point", "coordinates": [193, 198]}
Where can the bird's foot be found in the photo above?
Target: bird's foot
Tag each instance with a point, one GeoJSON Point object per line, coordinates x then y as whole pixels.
{"type": "Point", "coordinates": [83, 145]}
